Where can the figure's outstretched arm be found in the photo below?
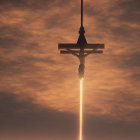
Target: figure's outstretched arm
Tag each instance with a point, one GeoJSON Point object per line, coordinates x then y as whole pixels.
{"type": "Point", "coordinates": [73, 53]}
{"type": "Point", "coordinates": [89, 52]}
{"type": "Point", "coordinates": [93, 51]}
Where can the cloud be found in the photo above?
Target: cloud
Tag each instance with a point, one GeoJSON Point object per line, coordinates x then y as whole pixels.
{"type": "Point", "coordinates": [20, 118]}
{"type": "Point", "coordinates": [31, 65]}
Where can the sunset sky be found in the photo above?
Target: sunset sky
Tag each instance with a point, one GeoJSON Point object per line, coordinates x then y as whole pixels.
{"type": "Point", "coordinates": [39, 87]}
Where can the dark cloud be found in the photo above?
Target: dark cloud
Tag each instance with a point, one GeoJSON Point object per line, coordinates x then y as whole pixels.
{"type": "Point", "coordinates": [131, 11]}
{"type": "Point", "coordinates": [108, 129]}
{"type": "Point", "coordinates": [27, 4]}
{"type": "Point", "coordinates": [20, 116]}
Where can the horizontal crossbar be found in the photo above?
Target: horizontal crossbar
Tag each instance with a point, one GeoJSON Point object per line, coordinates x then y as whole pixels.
{"type": "Point", "coordinates": [73, 52]}
{"type": "Point", "coordinates": [75, 46]}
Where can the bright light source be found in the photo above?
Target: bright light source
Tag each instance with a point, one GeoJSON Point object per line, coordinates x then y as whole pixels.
{"type": "Point", "coordinates": [81, 110]}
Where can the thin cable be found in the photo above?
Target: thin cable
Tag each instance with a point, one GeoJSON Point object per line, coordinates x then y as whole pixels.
{"type": "Point", "coordinates": [81, 13]}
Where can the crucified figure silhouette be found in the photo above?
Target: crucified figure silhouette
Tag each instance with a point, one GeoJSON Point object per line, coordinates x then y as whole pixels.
{"type": "Point", "coordinates": [81, 56]}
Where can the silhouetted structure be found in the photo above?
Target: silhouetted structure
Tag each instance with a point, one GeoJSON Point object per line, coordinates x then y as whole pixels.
{"type": "Point", "coordinates": [81, 49]}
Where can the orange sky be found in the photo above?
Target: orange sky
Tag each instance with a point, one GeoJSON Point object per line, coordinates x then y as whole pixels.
{"type": "Point", "coordinates": [33, 72]}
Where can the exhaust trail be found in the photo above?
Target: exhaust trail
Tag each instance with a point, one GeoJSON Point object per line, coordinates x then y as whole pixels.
{"type": "Point", "coordinates": [81, 111]}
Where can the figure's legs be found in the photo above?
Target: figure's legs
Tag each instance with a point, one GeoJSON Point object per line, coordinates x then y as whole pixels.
{"type": "Point", "coordinates": [81, 70]}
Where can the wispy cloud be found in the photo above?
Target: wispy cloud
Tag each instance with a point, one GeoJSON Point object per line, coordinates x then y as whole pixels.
{"type": "Point", "coordinates": [32, 67]}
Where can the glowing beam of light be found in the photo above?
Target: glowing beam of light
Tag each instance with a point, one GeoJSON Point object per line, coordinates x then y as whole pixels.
{"type": "Point", "coordinates": [81, 110]}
